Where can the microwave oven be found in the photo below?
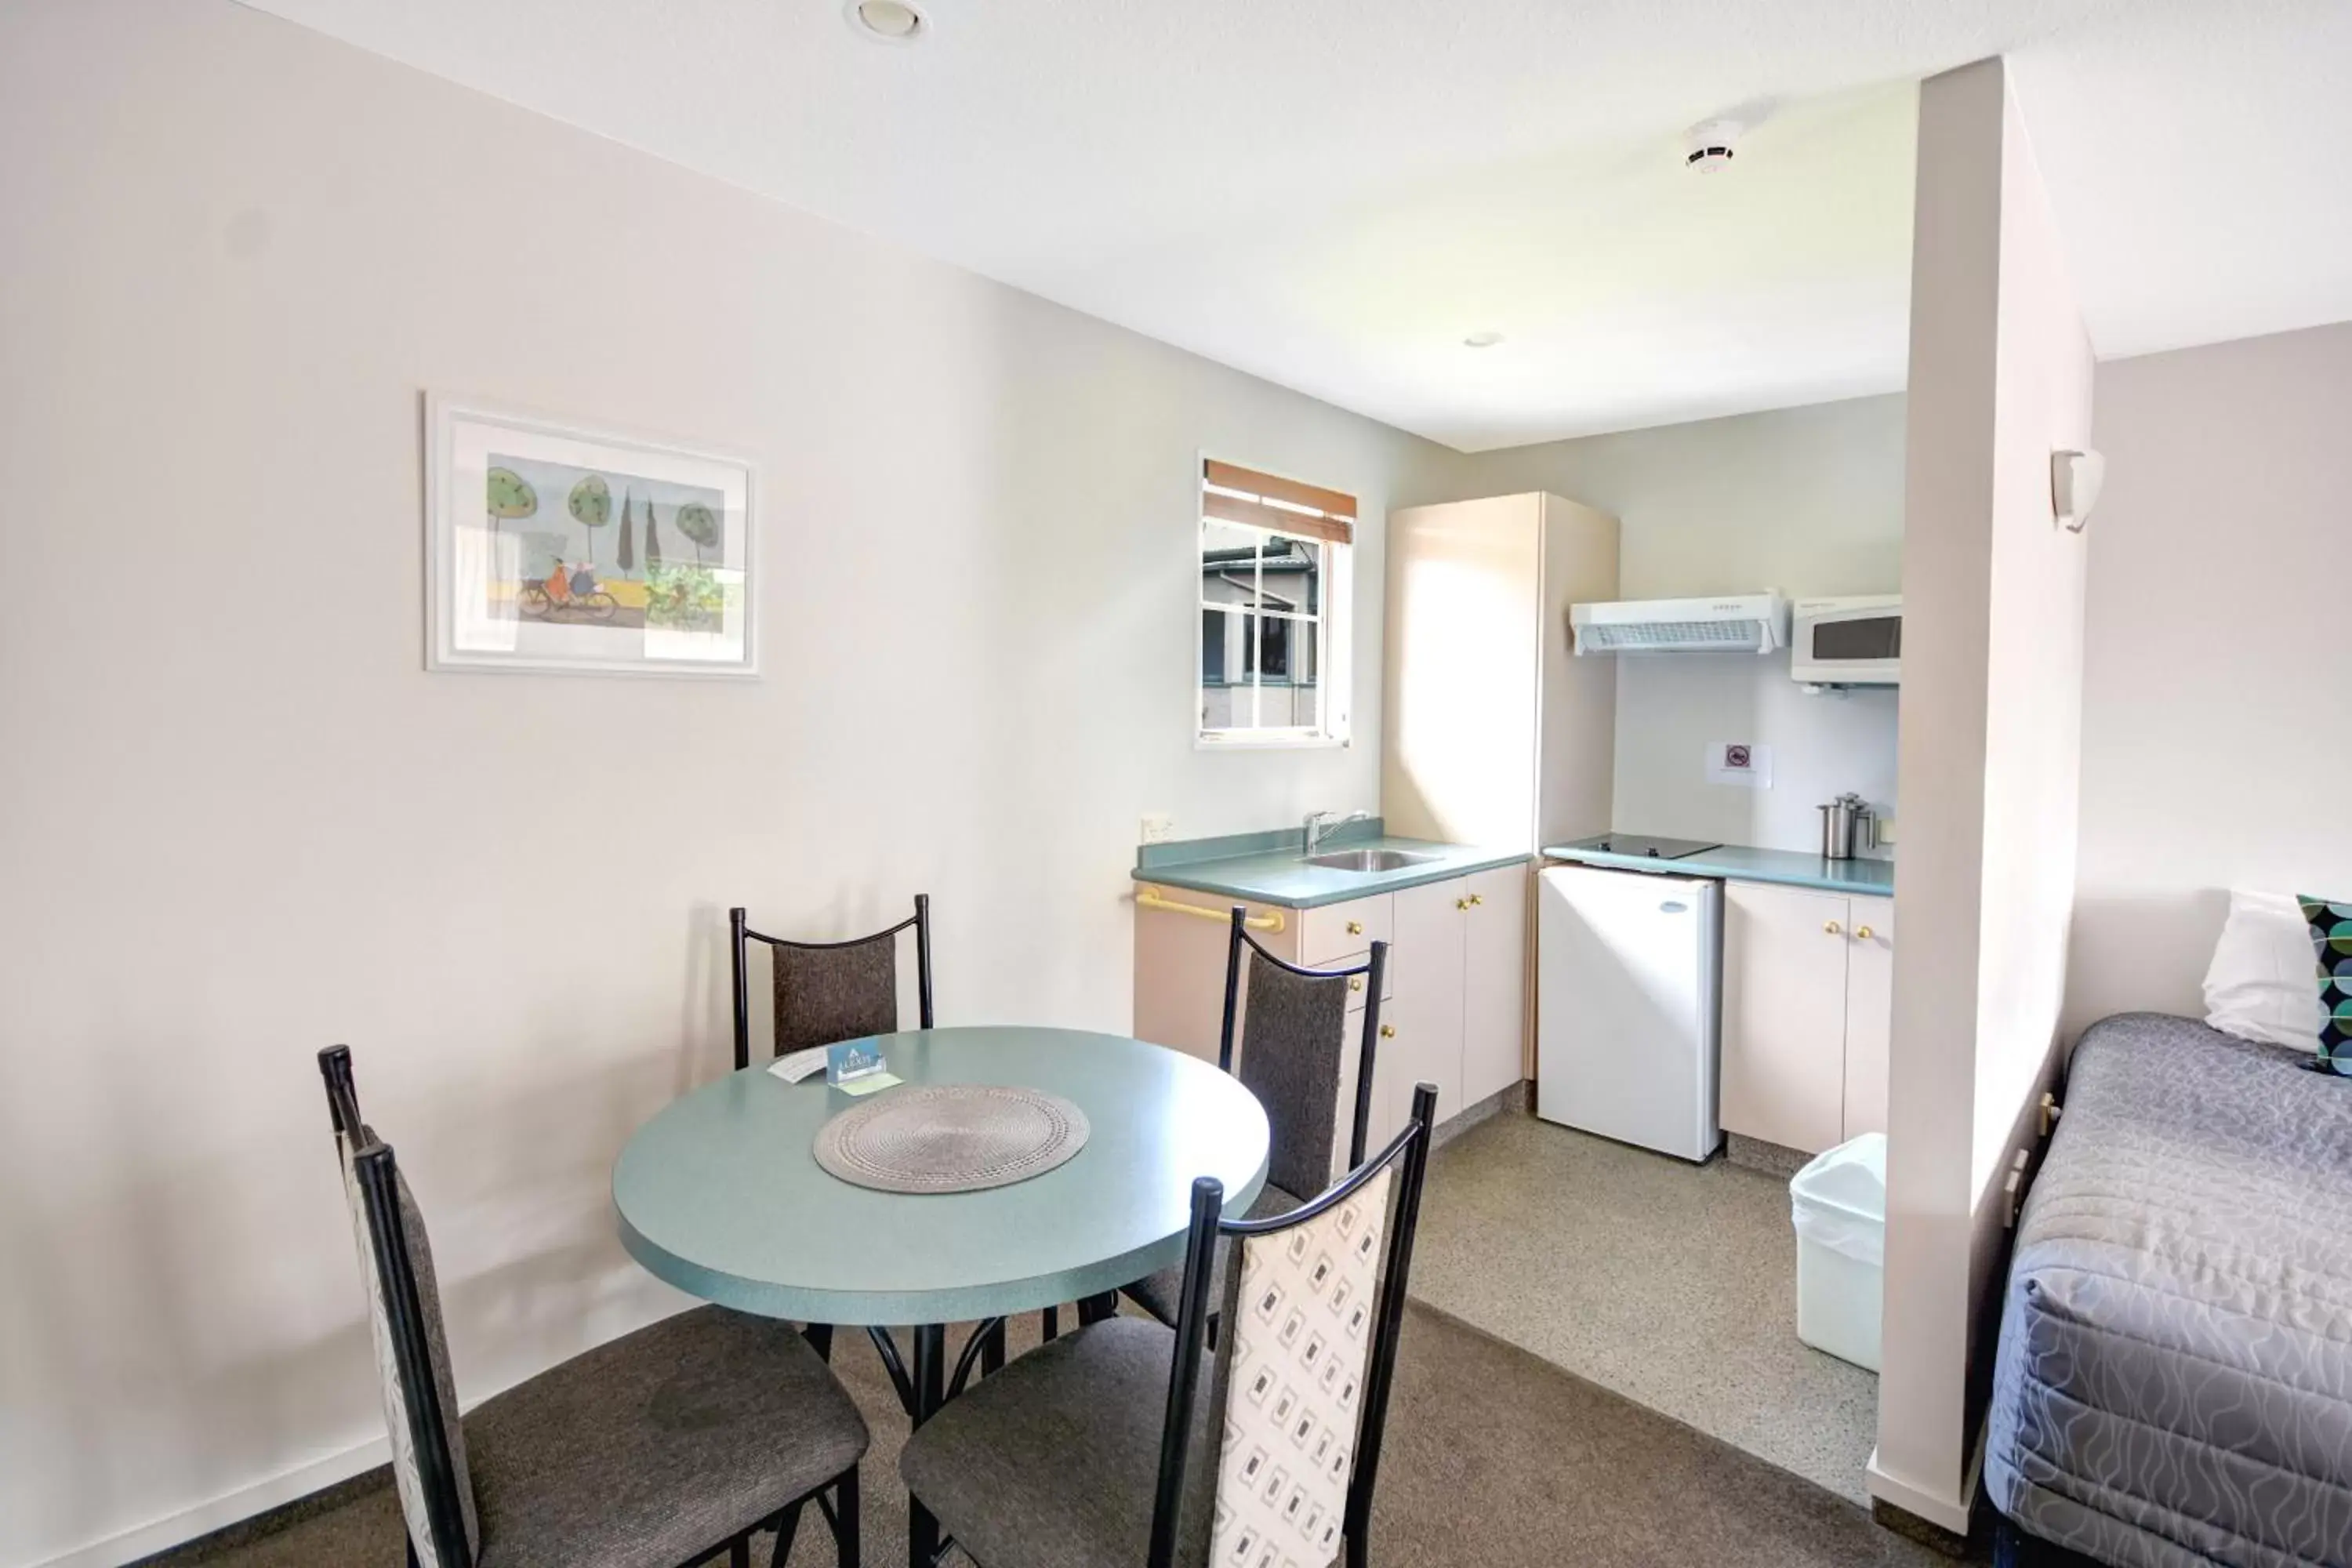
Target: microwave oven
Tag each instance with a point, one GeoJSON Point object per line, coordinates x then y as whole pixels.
{"type": "Point", "coordinates": [1847, 642]}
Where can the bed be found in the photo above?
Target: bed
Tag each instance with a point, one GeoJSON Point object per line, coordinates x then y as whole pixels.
{"type": "Point", "coordinates": [2173, 1385]}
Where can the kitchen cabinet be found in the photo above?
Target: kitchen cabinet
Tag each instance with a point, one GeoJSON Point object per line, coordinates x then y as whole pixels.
{"type": "Point", "coordinates": [1806, 1012]}
{"type": "Point", "coordinates": [1495, 983]}
{"type": "Point", "coordinates": [1494, 734]}
{"type": "Point", "coordinates": [1454, 997]}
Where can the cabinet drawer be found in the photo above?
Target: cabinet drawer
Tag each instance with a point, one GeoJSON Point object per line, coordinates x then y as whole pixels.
{"type": "Point", "coordinates": [1328, 934]}
{"type": "Point", "coordinates": [1356, 982]}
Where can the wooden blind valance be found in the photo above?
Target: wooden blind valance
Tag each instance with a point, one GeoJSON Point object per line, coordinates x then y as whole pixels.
{"type": "Point", "coordinates": [1307, 510]}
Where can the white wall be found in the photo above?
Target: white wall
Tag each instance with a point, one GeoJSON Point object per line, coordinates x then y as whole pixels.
{"type": "Point", "coordinates": [2000, 375]}
{"type": "Point", "coordinates": [2216, 749]}
{"type": "Point", "coordinates": [241, 822]}
{"type": "Point", "coordinates": [1808, 501]}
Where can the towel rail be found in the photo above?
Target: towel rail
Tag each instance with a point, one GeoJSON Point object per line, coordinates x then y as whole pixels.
{"type": "Point", "coordinates": [1153, 898]}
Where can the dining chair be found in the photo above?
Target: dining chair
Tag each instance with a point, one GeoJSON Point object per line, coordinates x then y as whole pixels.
{"type": "Point", "coordinates": [657, 1450]}
{"type": "Point", "coordinates": [1097, 1449]}
{"type": "Point", "coordinates": [827, 992]}
{"type": "Point", "coordinates": [1296, 1030]}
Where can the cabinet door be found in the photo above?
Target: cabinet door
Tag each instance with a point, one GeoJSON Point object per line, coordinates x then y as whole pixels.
{"type": "Point", "coordinates": [1458, 753]}
{"type": "Point", "coordinates": [1869, 1014]}
{"type": "Point", "coordinates": [1427, 1012]}
{"type": "Point", "coordinates": [1784, 961]}
{"type": "Point", "coordinates": [1493, 982]}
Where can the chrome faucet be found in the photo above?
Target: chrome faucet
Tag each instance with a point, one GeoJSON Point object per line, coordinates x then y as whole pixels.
{"type": "Point", "coordinates": [1321, 822]}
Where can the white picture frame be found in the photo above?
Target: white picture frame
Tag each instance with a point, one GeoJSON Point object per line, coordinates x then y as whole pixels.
{"type": "Point", "coordinates": [556, 547]}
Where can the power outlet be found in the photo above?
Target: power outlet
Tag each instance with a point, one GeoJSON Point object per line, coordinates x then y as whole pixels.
{"type": "Point", "coordinates": [1886, 832]}
{"type": "Point", "coordinates": [1157, 829]}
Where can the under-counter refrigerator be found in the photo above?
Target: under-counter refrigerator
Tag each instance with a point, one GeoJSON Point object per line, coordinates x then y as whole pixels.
{"type": "Point", "coordinates": [1628, 970]}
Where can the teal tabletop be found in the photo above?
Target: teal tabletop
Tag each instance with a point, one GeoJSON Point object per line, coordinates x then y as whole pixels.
{"type": "Point", "coordinates": [720, 1195]}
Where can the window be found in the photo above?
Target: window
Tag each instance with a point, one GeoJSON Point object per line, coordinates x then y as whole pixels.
{"type": "Point", "coordinates": [1274, 590]}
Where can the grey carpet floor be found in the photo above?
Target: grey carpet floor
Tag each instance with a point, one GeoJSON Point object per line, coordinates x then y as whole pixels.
{"type": "Point", "coordinates": [1671, 1284]}
{"type": "Point", "coordinates": [1493, 1457]}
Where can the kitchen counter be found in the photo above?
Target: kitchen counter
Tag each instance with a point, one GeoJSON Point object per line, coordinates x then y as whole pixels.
{"type": "Point", "coordinates": [1268, 867]}
{"type": "Point", "coordinates": [1738, 863]}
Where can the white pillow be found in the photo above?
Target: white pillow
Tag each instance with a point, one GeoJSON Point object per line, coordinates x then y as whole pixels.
{"type": "Point", "coordinates": [2264, 983]}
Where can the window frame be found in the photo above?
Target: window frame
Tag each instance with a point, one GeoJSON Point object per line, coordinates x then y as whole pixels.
{"type": "Point", "coordinates": [1333, 621]}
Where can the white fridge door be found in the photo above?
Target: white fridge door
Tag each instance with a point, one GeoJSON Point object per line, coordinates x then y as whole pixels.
{"type": "Point", "coordinates": [1625, 1007]}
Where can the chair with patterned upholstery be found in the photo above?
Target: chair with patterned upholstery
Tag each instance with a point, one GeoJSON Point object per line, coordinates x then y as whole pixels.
{"type": "Point", "coordinates": [655, 1451]}
{"type": "Point", "coordinates": [1096, 1451]}
{"type": "Point", "coordinates": [1291, 1045]}
{"type": "Point", "coordinates": [828, 992]}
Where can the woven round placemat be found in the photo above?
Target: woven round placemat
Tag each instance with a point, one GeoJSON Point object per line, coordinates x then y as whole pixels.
{"type": "Point", "coordinates": [950, 1137]}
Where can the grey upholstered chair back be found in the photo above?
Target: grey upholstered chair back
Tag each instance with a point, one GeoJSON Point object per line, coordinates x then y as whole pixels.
{"type": "Point", "coordinates": [1302, 1306]}
{"type": "Point", "coordinates": [1292, 1037]}
{"type": "Point", "coordinates": [829, 992]}
{"type": "Point", "coordinates": [412, 1347]}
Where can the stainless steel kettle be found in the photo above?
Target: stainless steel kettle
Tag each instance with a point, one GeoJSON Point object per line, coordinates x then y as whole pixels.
{"type": "Point", "coordinates": [1848, 824]}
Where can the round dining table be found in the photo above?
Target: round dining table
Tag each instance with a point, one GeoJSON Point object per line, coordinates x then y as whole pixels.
{"type": "Point", "coordinates": [720, 1194]}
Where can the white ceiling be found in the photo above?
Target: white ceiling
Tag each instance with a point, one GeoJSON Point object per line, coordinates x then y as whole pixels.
{"type": "Point", "coordinates": [1331, 193]}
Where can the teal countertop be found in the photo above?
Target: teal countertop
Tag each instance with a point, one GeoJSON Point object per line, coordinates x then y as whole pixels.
{"type": "Point", "coordinates": [1737, 863]}
{"type": "Point", "coordinates": [1267, 868]}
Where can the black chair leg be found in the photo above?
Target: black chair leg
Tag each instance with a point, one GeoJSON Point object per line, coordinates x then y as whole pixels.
{"type": "Point", "coordinates": [820, 1339]}
{"type": "Point", "coordinates": [1095, 1308]}
{"type": "Point", "coordinates": [1053, 1324]}
{"type": "Point", "coordinates": [738, 1553]}
{"type": "Point", "coordinates": [788, 1526]}
{"type": "Point", "coordinates": [992, 1351]}
{"type": "Point", "coordinates": [844, 1519]}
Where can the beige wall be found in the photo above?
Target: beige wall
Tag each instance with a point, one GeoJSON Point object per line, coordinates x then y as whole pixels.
{"type": "Point", "coordinates": [2216, 746]}
{"type": "Point", "coordinates": [1808, 501]}
{"type": "Point", "coordinates": [241, 822]}
{"type": "Point", "coordinates": [2001, 373]}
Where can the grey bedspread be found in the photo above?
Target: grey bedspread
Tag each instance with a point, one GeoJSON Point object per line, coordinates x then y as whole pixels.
{"type": "Point", "coordinates": [2174, 1381]}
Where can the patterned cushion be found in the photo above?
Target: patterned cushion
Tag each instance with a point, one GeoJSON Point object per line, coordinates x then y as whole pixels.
{"type": "Point", "coordinates": [2331, 942]}
{"type": "Point", "coordinates": [1302, 1321]}
{"type": "Point", "coordinates": [1163, 1294]}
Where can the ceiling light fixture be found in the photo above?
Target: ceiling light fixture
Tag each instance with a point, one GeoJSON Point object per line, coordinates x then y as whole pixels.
{"type": "Point", "coordinates": [1482, 340]}
{"type": "Point", "coordinates": [887, 21]}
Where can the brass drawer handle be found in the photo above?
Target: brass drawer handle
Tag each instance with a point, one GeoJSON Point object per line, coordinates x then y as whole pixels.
{"type": "Point", "coordinates": [1863, 932]}
{"type": "Point", "coordinates": [1388, 1031]}
{"type": "Point", "coordinates": [1355, 928]}
{"type": "Point", "coordinates": [1833, 928]}
{"type": "Point", "coordinates": [1355, 983]}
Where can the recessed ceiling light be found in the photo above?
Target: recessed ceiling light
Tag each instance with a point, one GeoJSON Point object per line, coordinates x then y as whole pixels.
{"type": "Point", "coordinates": [887, 21]}
{"type": "Point", "coordinates": [1482, 340]}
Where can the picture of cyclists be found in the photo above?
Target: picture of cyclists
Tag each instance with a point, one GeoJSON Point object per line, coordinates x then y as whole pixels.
{"type": "Point", "coordinates": [553, 547]}
{"type": "Point", "coordinates": [608, 548]}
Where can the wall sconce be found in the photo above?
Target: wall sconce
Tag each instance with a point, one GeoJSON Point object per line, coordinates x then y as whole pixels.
{"type": "Point", "coordinates": [2074, 481]}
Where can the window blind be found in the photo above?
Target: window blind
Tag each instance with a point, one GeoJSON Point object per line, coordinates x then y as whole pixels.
{"type": "Point", "coordinates": [1233, 494]}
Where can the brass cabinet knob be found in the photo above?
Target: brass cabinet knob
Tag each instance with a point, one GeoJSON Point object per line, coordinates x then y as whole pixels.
{"type": "Point", "coordinates": [1478, 899]}
{"type": "Point", "coordinates": [1388, 1031]}
{"type": "Point", "coordinates": [1461, 903]}
{"type": "Point", "coordinates": [1833, 928]}
{"type": "Point", "coordinates": [1355, 983]}
{"type": "Point", "coordinates": [1863, 932]}
{"type": "Point", "coordinates": [1355, 928]}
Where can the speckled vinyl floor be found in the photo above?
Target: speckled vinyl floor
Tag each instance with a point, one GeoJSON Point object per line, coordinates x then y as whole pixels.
{"type": "Point", "coordinates": [1671, 1284]}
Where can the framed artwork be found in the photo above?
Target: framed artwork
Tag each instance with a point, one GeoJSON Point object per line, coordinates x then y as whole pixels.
{"type": "Point", "coordinates": [554, 547]}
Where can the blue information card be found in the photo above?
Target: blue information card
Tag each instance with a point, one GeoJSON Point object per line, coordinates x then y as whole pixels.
{"type": "Point", "coordinates": [852, 1059]}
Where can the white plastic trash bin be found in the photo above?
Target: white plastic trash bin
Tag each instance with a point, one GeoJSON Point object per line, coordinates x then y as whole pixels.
{"type": "Point", "coordinates": [1839, 1204]}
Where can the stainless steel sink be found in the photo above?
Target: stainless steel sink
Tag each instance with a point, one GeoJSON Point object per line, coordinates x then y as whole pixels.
{"type": "Point", "coordinates": [1367, 860]}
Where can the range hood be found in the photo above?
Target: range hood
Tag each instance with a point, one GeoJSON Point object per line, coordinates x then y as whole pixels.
{"type": "Point", "coordinates": [1731, 623]}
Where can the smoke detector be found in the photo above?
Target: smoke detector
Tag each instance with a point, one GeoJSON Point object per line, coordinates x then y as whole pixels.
{"type": "Point", "coordinates": [1711, 144]}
